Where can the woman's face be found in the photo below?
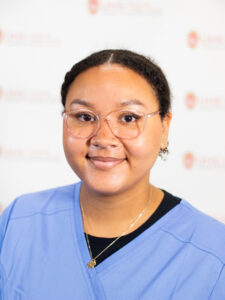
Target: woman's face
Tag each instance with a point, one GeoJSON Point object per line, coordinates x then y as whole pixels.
{"type": "Point", "coordinates": [105, 163]}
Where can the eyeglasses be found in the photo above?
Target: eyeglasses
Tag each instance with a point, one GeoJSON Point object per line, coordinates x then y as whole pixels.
{"type": "Point", "coordinates": [125, 124]}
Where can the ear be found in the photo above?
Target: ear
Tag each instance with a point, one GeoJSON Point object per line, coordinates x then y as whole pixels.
{"type": "Point", "coordinates": [165, 130]}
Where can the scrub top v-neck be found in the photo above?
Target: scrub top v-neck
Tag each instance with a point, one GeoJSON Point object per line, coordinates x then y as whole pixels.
{"type": "Point", "coordinates": [44, 254]}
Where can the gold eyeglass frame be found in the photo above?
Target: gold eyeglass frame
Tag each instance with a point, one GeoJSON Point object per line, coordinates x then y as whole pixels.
{"type": "Point", "coordinates": [99, 118]}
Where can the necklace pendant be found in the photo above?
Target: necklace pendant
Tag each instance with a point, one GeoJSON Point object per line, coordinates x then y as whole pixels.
{"type": "Point", "coordinates": [91, 264]}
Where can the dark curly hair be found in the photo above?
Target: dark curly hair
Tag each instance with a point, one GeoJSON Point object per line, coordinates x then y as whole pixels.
{"type": "Point", "coordinates": [142, 65]}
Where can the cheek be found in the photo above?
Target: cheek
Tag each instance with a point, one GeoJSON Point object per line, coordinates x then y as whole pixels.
{"type": "Point", "coordinates": [145, 148]}
{"type": "Point", "coordinates": [74, 149]}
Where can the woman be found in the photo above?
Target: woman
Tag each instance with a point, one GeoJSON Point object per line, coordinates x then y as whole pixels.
{"type": "Point", "coordinates": [113, 235]}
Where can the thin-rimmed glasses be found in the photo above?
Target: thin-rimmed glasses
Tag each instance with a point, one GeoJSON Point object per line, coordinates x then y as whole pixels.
{"type": "Point", "coordinates": [125, 124]}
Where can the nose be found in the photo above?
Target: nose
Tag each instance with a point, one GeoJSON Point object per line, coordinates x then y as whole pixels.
{"type": "Point", "coordinates": [104, 137]}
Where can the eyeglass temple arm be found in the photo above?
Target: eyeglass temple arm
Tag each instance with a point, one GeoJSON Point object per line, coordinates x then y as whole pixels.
{"type": "Point", "coordinates": [152, 114]}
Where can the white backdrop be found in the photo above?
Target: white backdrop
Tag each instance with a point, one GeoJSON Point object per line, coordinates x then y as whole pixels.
{"type": "Point", "coordinates": [41, 40]}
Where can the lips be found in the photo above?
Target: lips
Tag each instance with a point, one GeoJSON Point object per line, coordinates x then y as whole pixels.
{"type": "Point", "coordinates": [105, 163]}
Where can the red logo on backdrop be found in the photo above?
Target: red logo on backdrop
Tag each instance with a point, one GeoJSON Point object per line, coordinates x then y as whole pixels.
{"type": "Point", "coordinates": [192, 39]}
{"type": "Point", "coordinates": [93, 6]}
{"type": "Point", "coordinates": [190, 100]}
{"type": "Point", "coordinates": [1, 36]}
{"type": "Point", "coordinates": [1, 93]}
{"type": "Point", "coordinates": [188, 160]}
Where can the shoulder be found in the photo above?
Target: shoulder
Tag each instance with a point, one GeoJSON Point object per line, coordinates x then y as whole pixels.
{"type": "Point", "coordinates": [46, 201]}
{"type": "Point", "coordinates": [42, 202]}
{"type": "Point", "coordinates": [205, 233]}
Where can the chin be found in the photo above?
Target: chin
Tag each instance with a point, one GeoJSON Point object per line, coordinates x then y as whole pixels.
{"type": "Point", "coordinates": [105, 186]}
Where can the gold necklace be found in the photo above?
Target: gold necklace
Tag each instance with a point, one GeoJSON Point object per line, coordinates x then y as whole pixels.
{"type": "Point", "coordinates": [92, 263]}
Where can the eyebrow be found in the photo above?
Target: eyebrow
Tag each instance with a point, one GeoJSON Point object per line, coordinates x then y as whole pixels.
{"type": "Point", "coordinates": [122, 104]}
{"type": "Point", "coordinates": [81, 102]}
{"type": "Point", "coordinates": [131, 102]}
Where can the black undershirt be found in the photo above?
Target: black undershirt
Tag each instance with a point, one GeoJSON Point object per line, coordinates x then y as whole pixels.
{"type": "Point", "coordinates": [97, 244]}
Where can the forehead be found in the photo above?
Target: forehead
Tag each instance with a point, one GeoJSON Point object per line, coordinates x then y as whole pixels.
{"type": "Point", "coordinates": [110, 85]}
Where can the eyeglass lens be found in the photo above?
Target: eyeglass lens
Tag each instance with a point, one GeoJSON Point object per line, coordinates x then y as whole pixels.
{"type": "Point", "coordinates": [124, 124]}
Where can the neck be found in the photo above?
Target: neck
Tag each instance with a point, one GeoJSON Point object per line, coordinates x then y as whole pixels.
{"type": "Point", "coordinates": [109, 216]}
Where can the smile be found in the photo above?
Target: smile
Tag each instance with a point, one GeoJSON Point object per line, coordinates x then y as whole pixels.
{"type": "Point", "coordinates": [104, 163]}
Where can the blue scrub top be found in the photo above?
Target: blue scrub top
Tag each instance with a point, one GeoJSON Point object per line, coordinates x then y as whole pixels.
{"type": "Point", "coordinates": [44, 254]}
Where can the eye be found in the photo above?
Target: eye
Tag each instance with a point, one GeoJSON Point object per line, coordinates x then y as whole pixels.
{"type": "Point", "coordinates": [129, 117]}
{"type": "Point", "coordinates": [83, 116]}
